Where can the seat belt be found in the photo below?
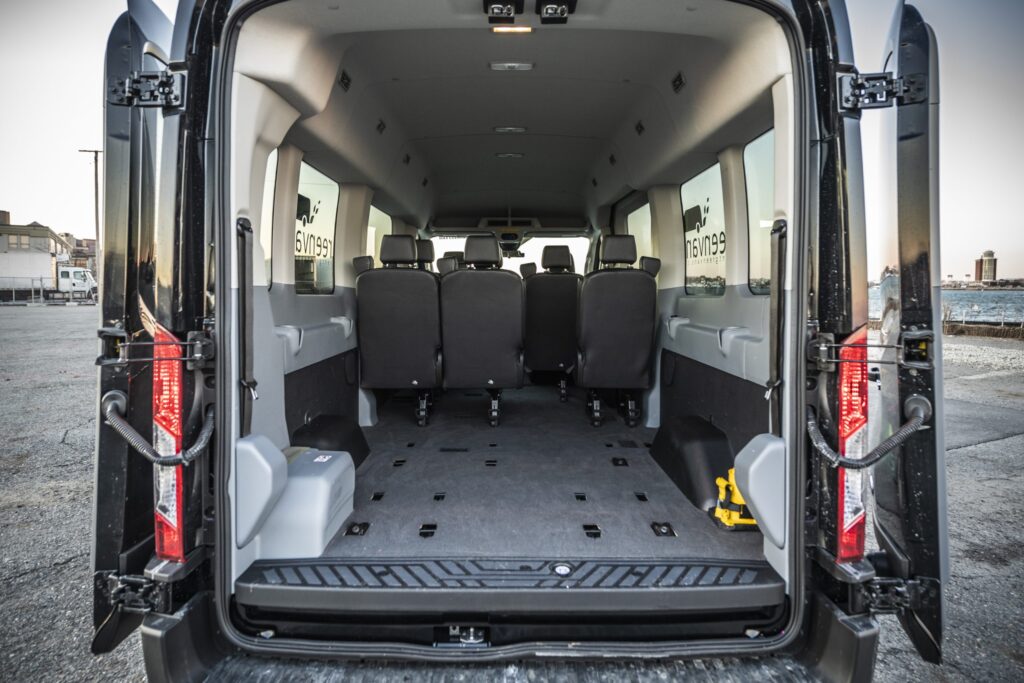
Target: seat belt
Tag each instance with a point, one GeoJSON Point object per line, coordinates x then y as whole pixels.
{"type": "Point", "coordinates": [775, 314]}
{"type": "Point", "coordinates": [248, 382]}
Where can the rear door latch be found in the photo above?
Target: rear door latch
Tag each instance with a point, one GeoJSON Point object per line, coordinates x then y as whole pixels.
{"type": "Point", "coordinates": [890, 595]}
{"type": "Point", "coordinates": [150, 89]}
{"type": "Point", "coordinates": [878, 90]}
{"type": "Point", "coordinates": [133, 593]}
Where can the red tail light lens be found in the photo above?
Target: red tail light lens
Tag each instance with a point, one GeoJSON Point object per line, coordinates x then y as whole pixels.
{"type": "Point", "coordinates": [853, 422]}
{"type": "Point", "coordinates": [167, 438]}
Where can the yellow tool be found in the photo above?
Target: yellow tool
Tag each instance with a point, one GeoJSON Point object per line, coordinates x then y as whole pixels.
{"type": "Point", "coordinates": [731, 512]}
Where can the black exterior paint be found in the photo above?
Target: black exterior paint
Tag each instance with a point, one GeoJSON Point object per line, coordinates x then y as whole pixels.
{"type": "Point", "coordinates": [909, 490]}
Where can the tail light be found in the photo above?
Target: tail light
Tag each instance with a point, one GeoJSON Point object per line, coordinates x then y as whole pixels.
{"type": "Point", "coordinates": [167, 438]}
{"type": "Point", "coordinates": [853, 423]}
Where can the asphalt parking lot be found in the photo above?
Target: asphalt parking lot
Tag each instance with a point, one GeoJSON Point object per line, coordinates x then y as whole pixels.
{"type": "Point", "coordinates": [47, 426]}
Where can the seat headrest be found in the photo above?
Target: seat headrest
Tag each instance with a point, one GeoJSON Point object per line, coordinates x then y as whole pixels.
{"type": "Point", "coordinates": [556, 257]}
{"type": "Point", "coordinates": [527, 269]}
{"type": "Point", "coordinates": [447, 264]}
{"type": "Point", "coordinates": [618, 249]}
{"type": "Point", "coordinates": [482, 250]}
{"type": "Point", "coordinates": [650, 264]}
{"type": "Point", "coordinates": [397, 249]}
{"type": "Point", "coordinates": [459, 257]}
{"type": "Point", "coordinates": [424, 251]}
{"type": "Point", "coordinates": [362, 264]}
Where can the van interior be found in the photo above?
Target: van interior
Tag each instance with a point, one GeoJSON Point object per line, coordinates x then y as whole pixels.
{"type": "Point", "coordinates": [511, 318]}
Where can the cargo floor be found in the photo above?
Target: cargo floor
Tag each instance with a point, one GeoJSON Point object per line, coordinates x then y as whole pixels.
{"type": "Point", "coordinates": [544, 484]}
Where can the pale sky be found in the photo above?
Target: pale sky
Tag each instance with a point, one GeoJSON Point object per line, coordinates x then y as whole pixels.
{"type": "Point", "coordinates": [51, 105]}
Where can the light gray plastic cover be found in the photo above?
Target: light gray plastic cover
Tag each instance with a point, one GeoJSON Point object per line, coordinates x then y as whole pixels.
{"type": "Point", "coordinates": [260, 480]}
{"type": "Point", "coordinates": [314, 504]}
{"type": "Point", "coordinates": [761, 478]}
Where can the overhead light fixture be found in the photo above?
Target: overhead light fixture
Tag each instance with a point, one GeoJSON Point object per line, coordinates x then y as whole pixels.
{"type": "Point", "coordinates": [502, 11]}
{"type": "Point", "coordinates": [555, 11]}
{"type": "Point", "coordinates": [509, 155]}
{"type": "Point", "coordinates": [509, 129]}
{"type": "Point", "coordinates": [512, 66]}
{"type": "Point", "coordinates": [512, 29]}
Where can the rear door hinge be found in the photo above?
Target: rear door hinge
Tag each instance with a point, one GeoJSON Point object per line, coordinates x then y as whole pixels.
{"type": "Point", "coordinates": [890, 595]}
{"type": "Point", "coordinates": [878, 90]}
{"type": "Point", "coordinates": [134, 593]}
{"type": "Point", "coordinates": [150, 89]}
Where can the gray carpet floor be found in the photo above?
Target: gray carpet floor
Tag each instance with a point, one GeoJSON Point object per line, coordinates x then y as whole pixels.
{"type": "Point", "coordinates": [524, 489]}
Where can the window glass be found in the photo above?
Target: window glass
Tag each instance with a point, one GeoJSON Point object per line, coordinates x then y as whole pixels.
{"type": "Point", "coordinates": [64, 275]}
{"type": "Point", "coordinates": [704, 232]}
{"type": "Point", "coordinates": [532, 250]}
{"type": "Point", "coordinates": [447, 243]}
{"type": "Point", "coordinates": [25, 241]}
{"type": "Point", "coordinates": [12, 241]}
{"type": "Point", "coordinates": [80, 276]}
{"type": "Point", "coordinates": [267, 214]}
{"type": "Point", "coordinates": [759, 171]}
{"type": "Point", "coordinates": [378, 226]}
{"type": "Point", "coordinates": [315, 218]}
{"type": "Point", "coordinates": [638, 224]}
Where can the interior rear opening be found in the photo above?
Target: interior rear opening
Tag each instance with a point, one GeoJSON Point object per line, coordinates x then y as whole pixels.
{"type": "Point", "coordinates": [621, 474]}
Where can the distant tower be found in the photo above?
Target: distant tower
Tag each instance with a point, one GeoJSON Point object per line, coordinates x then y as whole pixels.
{"type": "Point", "coordinates": [988, 266]}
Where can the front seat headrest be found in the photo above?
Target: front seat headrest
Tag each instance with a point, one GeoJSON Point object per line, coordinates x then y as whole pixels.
{"type": "Point", "coordinates": [650, 264]}
{"type": "Point", "coordinates": [482, 251]}
{"type": "Point", "coordinates": [618, 249]}
{"type": "Point", "coordinates": [424, 252]}
{"type": "Point", "coordinates": [398, 250]}
{"type": "Point", "coordinates": [527, 269]}
{"type": "Point", "coordinates": [556, 258]}
{"type": "Point", "coordinates": [362, 264]}
{"type": "Point", "coordinates": [447, 264]}
{"type": "Point", "coordinates": [460, 259]}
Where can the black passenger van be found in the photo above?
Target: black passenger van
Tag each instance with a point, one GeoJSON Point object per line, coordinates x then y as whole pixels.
{"type": "Point", "coordinates": [467, 332]}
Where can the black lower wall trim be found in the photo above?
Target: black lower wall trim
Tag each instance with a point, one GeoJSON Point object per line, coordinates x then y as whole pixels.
{"type": "Point", "coordinates": [734, 405]}
{"type": "Point", "coordinates": [322, 406]}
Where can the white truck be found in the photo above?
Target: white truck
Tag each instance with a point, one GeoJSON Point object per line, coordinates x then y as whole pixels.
{"type": "Point", "coordinates": [42, 276]}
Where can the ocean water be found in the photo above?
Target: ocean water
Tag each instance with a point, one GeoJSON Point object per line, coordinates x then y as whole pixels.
{"type": "Point", "coordinates": [991, 306]}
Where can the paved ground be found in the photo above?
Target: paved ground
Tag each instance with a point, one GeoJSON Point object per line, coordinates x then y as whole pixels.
{"type": "Point", "coordinates": [47, 393]}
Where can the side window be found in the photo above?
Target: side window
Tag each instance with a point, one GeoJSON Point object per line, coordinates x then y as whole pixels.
{"type": "Point", "coordinates": [704, 232]}
{"type": "Point", "coordinates": [64, 275]}
{"type": "Point", "coordinates": [315, 218]}
{"type": "Point", "coordinates": [378, 226]}
{"type": "Point", "coordinates": [638, 224]}
{"type": "Point", "coordinates": [267, 214]}
{"type": "Point", "coordinates": [759, 172]}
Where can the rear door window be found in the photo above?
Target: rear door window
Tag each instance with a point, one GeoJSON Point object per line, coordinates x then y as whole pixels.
{"type": "Point", "coordinates": [704, 232]}
{"type": "Point", "coordinates": [759, 175]}
{"type": "Point", "coordinates": [315, 219]}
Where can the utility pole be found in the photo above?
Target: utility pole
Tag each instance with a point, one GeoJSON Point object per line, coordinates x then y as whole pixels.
{"type": "Point", "coordinates": [95, 186]}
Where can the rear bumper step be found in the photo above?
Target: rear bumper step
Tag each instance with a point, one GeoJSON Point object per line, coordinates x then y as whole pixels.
{"type": "Point", "coordinates": [509, 586]}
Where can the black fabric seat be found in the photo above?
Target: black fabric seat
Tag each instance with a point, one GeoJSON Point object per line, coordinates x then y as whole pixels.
{"type": "Point", "coordinates": [482, 323]}
{"type": "Point", "coordinates": [552, 299]}
{"type": "Point", "coordinates": [459, 256]}
{"type": "Point", "coordinates": [362, 264]}
{"type": "Point", "coordinates": [617, 319]}
{"type": "Point", "coordinates": [425, 255]}
{"type": "Point", "coordinates": [399, 323]}
{"type": "Point", "coordinates": [446, 264]}
{"type": "Point", "coordinates": [651, 265]}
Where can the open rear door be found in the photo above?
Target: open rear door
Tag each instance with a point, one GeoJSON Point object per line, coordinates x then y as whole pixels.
{"type": "Point", "coordinates": [909, 486]}
{"type": "Point", "coordinates": [151, 302]}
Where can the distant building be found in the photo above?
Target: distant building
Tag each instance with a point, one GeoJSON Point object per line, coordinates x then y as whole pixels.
{"type": "Point", "coordinates": [27, 251]}
{"type": "Point", "coordinates": [985, 267]}
{"type": "Point", "coordinates": [83, 252]}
